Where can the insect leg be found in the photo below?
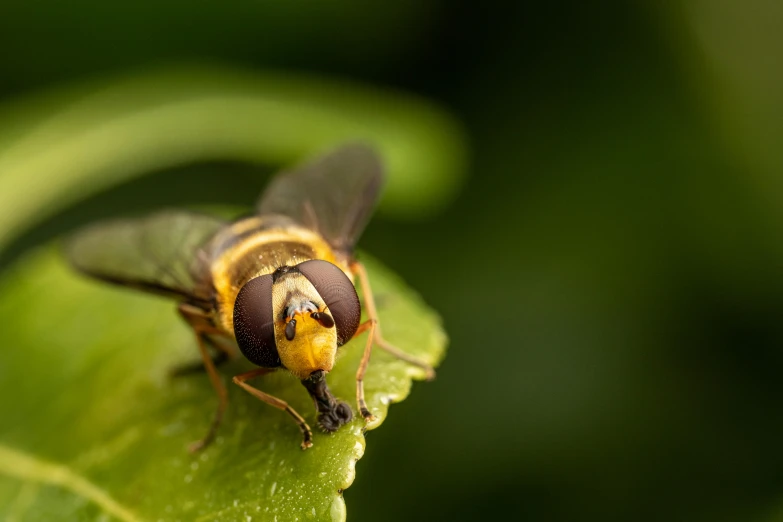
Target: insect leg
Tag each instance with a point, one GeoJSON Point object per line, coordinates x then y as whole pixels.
{"type": "Point", "coordinates": [196, 318]}
{"type": "Point", "coordinates": [383, 344]}
{"type": "Point", "coordinates": [375, 336]}
{"type": "Point", "coordinates": [221, 355]}
{"type": "Point", "coordinates": [239, 380]}
{"type": "Point", "coordinates": [370, 324]}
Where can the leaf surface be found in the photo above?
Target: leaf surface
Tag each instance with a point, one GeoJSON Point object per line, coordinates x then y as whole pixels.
{"type": "Point", "coordinates": [93, 427]}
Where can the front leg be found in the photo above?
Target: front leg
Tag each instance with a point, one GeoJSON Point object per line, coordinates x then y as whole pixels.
{"type": "Point", "coordinates": [375, 336]}
{"type": "Point", "coordinates": [239, 380]}
{"type": "Point", "coordinates": [367, 325]}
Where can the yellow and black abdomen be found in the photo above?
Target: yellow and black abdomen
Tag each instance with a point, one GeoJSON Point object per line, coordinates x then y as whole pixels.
{"type": "Point", "coordinates": [257, 246]}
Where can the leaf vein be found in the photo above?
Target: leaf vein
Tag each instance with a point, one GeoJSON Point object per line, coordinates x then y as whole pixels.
{"type": "Point", "coordinates": [24, 466]}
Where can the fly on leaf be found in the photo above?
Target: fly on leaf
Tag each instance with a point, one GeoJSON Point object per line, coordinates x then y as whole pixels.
{"type": "Point", "coordinates": [279, 283]}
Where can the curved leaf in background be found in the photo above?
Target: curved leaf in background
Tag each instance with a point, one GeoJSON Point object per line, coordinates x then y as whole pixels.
{"type": "Point", "coordinates": [93, 426]}
{"type": "Point", "coordinates": [59, 147]}
{"type": "Point", "coordinates": [736, 68]}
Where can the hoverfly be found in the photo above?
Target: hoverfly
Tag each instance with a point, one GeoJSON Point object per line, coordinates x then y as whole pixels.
{"type": "Point", "coordinates": [280, 283]}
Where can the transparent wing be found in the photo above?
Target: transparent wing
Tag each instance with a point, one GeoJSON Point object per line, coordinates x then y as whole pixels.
{"type": "Point", "coordinates": [162, 253]}
{"type": "Point", "coordinates": [333, 195]}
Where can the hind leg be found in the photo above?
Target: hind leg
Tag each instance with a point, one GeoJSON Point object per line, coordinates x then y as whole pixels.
{"type": "Point", "coordinates": [203, 327]}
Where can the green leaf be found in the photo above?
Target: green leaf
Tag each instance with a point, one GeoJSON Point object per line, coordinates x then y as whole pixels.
{"type": "Point", "coordinates": [94, 429]}
{"type": "Point", "coordinates": [60, 147]}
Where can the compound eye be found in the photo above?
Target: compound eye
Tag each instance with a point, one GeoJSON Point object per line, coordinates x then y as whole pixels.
{"type": "Point", "coordinates": [338, 293]}
{"type": "Point", "coordinates": [254, 326]}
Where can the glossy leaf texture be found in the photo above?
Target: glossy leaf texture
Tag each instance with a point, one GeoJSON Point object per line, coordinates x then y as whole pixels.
{"type": "Point", "coordinates": [93, 427]}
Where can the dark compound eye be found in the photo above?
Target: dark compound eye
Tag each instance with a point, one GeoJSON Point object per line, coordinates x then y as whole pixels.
{"type": "Point", "coordinates": [253, 323]}
{"type": "Point", "coordinates": [338, 293]}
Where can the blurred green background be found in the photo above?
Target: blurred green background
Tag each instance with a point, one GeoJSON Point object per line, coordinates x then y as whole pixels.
{"type": "Point", "coordinates": [609, 273]}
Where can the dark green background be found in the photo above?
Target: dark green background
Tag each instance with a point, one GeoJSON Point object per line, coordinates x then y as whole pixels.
{"type": "Point", "coordinates": [610, 275]}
